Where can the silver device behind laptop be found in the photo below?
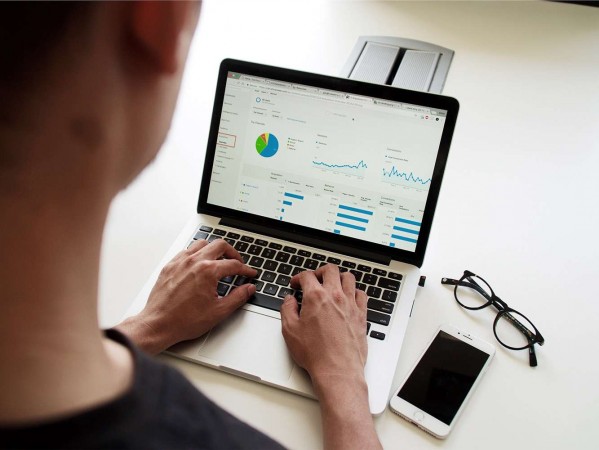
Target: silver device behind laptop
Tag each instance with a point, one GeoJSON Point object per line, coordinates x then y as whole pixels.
{"type": "Point", "coordinates": [303, 170]}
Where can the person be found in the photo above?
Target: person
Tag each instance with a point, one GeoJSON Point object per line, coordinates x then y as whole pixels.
{"type": "Point", "coordinates": [87, 94]}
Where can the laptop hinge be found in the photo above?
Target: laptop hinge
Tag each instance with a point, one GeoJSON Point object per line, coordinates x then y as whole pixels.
{"type": "Point", "coordinates": [306, 240]}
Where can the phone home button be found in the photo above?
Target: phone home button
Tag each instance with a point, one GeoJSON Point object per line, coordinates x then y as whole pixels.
{"type": "Point", "coordinates": [419, 416]}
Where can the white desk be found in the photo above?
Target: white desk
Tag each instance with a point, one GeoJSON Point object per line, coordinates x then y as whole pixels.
{"type": "Point", "coordinates": [518, 204]}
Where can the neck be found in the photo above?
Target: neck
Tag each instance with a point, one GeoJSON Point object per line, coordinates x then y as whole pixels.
{"type": "Point", "coordinates": [54, 357]}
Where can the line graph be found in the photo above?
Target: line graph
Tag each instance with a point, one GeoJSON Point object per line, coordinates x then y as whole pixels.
{"type": "Point", "coordinates": [394, 173]}
{"type": "Point", "coordinates": [359, 165]}
{"type": "Point", "coordinates": [358, 169]}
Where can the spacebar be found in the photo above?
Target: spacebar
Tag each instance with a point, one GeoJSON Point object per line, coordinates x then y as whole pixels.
{"type": "Point", "coordinates": [266, 301]}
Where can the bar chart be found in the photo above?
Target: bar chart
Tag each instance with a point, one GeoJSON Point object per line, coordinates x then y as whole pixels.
{"type": "Point", "coordinates": [352, 218]}
{"type": "Point", "coordinates": [405, 230]}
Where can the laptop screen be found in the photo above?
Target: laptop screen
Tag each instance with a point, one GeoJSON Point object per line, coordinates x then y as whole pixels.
{"type": "Point", "coordinates": [347, 164]}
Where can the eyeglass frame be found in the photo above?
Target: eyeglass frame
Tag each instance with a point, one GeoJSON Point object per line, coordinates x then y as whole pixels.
{"type": "Point", "coordinates": [502, 310]}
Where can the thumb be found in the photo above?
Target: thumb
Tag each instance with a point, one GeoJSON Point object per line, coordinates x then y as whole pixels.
{"type": "Point", "coordinates": [237, 297]}
{"type": "Point", "coordinates": [289, 312]}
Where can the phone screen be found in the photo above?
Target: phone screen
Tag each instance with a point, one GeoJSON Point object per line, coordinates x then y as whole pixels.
{"type": "Point", "coordinates": [443, 377]}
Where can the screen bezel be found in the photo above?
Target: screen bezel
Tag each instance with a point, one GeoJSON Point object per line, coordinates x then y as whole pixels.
{"type": "Point", "coordinates": [345, 85]}
{"type": "Point", "coordinates": [430, 423]}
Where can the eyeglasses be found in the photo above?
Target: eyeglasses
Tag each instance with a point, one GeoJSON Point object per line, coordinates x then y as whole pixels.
{"type": "Point", "coordinates": [511, 328]}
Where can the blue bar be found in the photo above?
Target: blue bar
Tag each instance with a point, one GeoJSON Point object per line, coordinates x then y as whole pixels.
{"type": "Point", "coordinates": [406, 230]}
{"type": "Point", "coordinates": [411, 222]}
{"type": "Point", "coordinates": [281, 218]}
{"type": "Point", "coordinates": [337, 231]}
{"type": "Point", "coordinates": [282, 210]}
{"type": "Point", "coordinates": [392, 244]}
{"type": "Point", "coordinates": [358, 210]}
{"type": "Point", "coordinates": [289, 194]}
{"type": "Point", "coordinates": [401, 238]}
{"type": "Point", "coordinates": [357, 219]}
{"type": "Point", "coordinates": [349, 225]}
{"type": "Point", "coordinates": [287, 202]}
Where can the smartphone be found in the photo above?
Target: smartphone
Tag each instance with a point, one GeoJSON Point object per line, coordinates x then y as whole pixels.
{"type": "Point", "coordinates": [438, 387]}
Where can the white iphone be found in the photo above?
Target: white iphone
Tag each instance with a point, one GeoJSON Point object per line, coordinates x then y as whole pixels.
{"type": "Point", "coordinates": [442, 381]}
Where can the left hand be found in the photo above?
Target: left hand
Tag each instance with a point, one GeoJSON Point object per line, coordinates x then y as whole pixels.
{"type": "Point", "coordinates": [184, 303]}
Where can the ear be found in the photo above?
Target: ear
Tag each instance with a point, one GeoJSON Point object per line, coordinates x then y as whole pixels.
{"type": "Point", "coordinates": [163, 30]}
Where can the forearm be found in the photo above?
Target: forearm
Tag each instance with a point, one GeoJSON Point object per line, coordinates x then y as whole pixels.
{"type": "Point", "coordinates": [346, 419]}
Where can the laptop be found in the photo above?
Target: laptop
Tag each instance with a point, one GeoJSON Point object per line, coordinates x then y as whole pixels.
{"type": "Point", "coordinates": [303, 170]}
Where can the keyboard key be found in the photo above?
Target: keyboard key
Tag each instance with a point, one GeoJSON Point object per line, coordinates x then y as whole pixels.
{"type": "Point", "coordinates": [230, 241]}
{"type": "Point", "coordinates": [395, 276]}
{"type": "Point", "coordinates": [213, 237]}
{"type": "Point", "coordinates": [349, 264]}
{"type": "Point", "coordinates": [258, 273]}
{"type": "Point", "coordinates": [206, 228]}
{"type": "Point", "coordinates": [254, 250]}
{"type": "Point", "coordinates": [241, 280]}
{"type": "Point", "coordinates": [377, 335]}
{"type": "Point", "coordinates": [377, 317]}
{"type": "Point", "coordinates": [282, 257]}
{"type": "Point", "coordinates": [241, 246]}
{"type": "Point", "coordinates": [269, 276]}
{"type": "Point", "coordinates": [364, 268]}
{"type": "Point", "coordinates": [297, 260]}
{"type": "Point", "coordinates": [343, 269]}
{"type": "Point", "coordinates": [232, 235]}
{"type": "Point", "coordinates": [297, 270]}
{"type": "Point", "coordinates": [269, 253]}
{"type": "Point", "coordinates": [388, 284]}
{"type": "Point", "coordinates": [311, 264]}
{"type": "Point", "coordinates": [284, 292]}
{"type": "Point", "coordinates": [247, 239]}
{"type": "Point", "coordinates": [222, 289]}
{"type": "Point", "coordinates": [259, 284]}
{"type": "Point", "coordinates": [228, 279]}
{"type": "Point", "coordinates": [289, 249]}
{"type": "Point", "coordinates": [266, 301]}
{"type": "Point", "coordinates": [256, 261]}
{"type": "Point", "coordinates": [370, 279]}
{"type": "Point", "coordinates": [304, 253]}
{"type": "Point", "coordinates": [285, 269]}
{"type": "Point", "coordinates": [245, 258]}
{"type": "Point", "coordinates": [283, 280]}
{"type": "Point", "coordinates": [361, 286]}
{"type": "Point", "coordinates": [368, 325]}
{"type": "Point", "coordinates": [261, 242]}
{"type": "Point", "coordinates": [219, 232]}
{"type": "Point", "coordinates": [200, 235]}
{"type": "Point", "coordinates": [374, 292]}
{"type": "Point", "coordinates": [270, 265]}
{"type": "Point", "coordinates": [299, 296]}
{"type": "Point", "coordinates": [332, 260]}
{"type": "Point", "coordinates": [381, 306]}
{"type": "Point", "coordinates": [357, 274]}
{"type": "Point", "coordinates": [380, 272]}
{"type": "Point", "coordinates": [390, 296]}
{"type": "Point", "coordinates": [275, 246]}
{"type": "Point", "coordinates": [318, 257]}
{"type": "Point", "coordinates": [270, 289]}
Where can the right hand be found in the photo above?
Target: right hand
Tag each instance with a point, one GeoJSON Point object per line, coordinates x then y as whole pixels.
{"type": "Point", "coordinates": [328, 337]}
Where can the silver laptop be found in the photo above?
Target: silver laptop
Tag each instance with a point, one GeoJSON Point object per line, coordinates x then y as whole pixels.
{"type": "Point", "coordinates": [303, 170]}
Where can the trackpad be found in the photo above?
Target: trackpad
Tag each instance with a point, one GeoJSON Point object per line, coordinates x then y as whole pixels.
{"type": "Point", "coordinates": [252, 343]}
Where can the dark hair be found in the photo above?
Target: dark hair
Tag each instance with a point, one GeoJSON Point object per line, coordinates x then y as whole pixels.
{"type": "Point", "coordinates": [28, 33]}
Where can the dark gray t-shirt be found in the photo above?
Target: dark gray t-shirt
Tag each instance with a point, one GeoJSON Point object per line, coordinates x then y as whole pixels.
{"type": "Point", "coordinates": [162, 410]}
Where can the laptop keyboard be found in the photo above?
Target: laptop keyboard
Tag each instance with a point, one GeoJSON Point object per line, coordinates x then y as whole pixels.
{"type": "Point", "coordinates": [277, 263]}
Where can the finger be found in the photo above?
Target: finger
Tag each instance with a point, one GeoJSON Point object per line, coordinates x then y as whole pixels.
{"type": "Point", "coordinates": [195, 246]}
{"type": "Point", "coordinates": [219, 248]}
{"type": "Point", "coordinates": [226, 267]}
{"type": "Point", "coordinates": [361, 301]}
{"type": "Point", "coordinates": [236, 298]}
{"type": "Point", "coordinates": [289, 312]}
{"type": "Point", "coordinates": [329, 275]}
{"type": "Point", "coordinates": [305, 281]}
{"type": "Point", "coordinates": [348, 284]}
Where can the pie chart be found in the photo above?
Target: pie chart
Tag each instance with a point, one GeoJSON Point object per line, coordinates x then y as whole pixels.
{"type": "Point", "coordinates": [267, 145]}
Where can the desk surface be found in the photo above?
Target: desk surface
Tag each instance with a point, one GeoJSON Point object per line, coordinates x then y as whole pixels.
{"type": "Point", "coordinates": [518, 204]}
